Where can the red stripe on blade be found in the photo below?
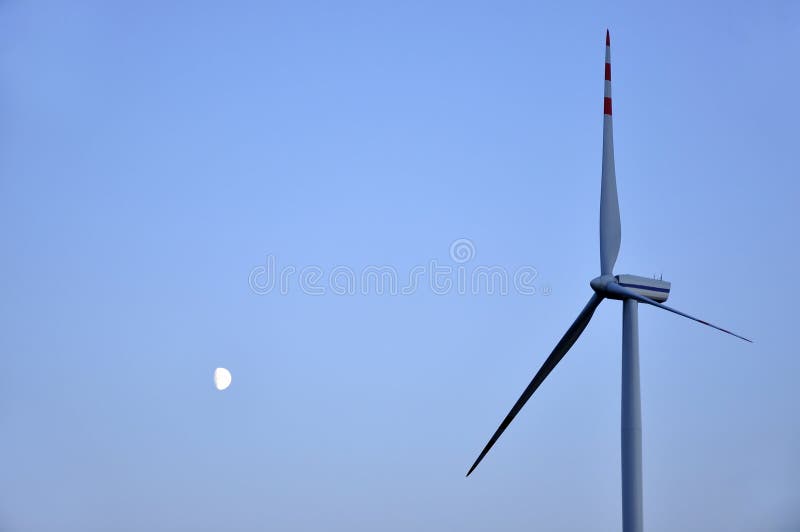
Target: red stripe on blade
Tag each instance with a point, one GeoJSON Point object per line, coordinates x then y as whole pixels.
{"type": "Point", "coordinates": [608, 71]}
{"type": "Point", "coordinates": [607, 106]}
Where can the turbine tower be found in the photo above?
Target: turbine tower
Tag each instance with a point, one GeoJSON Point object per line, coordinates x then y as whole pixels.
{"type": "Point", "coordinates": [631, 290]}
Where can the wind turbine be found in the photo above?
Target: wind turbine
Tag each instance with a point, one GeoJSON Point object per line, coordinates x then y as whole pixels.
{"type": "Point", "coordinates": [631, 290]}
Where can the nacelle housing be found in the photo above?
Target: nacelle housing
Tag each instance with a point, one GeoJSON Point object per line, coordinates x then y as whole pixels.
{"type": "Point", "coordinates": [655, 289]}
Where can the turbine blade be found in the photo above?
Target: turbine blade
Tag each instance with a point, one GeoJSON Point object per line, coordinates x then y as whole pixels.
{"type": "Point", "coordinates": [610, 228]}
{"type": "Point", "coordinates": [624, 292]}
{"type": "Point", "coordinates": [555, 357]}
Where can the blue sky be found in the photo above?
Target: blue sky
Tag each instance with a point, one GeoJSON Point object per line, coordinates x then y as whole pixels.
{"type": "Point", "coordinates": [153, 155]}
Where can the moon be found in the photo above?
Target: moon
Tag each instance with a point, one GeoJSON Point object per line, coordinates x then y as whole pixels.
{"type": "Point", "coordinates": [222, 378]}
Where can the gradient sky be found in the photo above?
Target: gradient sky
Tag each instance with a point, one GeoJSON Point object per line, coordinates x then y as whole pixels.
{"type": "Point", "coordinates": [152, 155]}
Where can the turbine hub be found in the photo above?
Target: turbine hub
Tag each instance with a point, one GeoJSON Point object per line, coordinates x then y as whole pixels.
{"type": "Point", "coordinates": [599, 284]}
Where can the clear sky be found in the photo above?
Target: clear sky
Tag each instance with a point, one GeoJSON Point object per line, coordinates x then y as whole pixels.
{"type": "Point", "coordinates": [153, 157]}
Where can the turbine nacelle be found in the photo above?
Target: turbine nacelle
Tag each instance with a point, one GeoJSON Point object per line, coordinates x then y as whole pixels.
{"type": "Point", "coordinates": [655, 289]}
